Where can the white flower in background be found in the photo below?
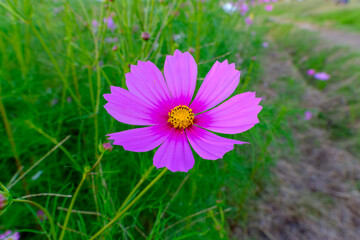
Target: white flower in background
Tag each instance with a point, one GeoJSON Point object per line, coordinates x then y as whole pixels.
{"type": "Point", "coordinates": [229, 8]}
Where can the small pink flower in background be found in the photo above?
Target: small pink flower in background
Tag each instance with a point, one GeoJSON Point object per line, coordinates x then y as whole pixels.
{"type": "Point", "coordinates": [54, 102]}
{"type": "Point", "coordinates": [266, 1]}
{"type": "Point", "coordinates": [5, 200]}
{"type": "Point", "coordinates": [110, 23]}
{"type": "Point", "coordinates": [322, 76]}
{"type": "Point", "coordinates": [311, 72]}
{"type": "Point", "coordinates": [111, 40]}
{"type": "Point", "coordinates": [174, 119]}
{"type": "Point", "coordinates": [265, 44]}
{"type": "Point", "coordinates": [269, 7]}
{"type": "Point", "coordinates": [94, 24]}
{"type": "Point", "coordinates": [41, 215]}
{"type": "Point", "coordinates": [249, 20]}
{"type": "Point", "coordinates": [114, 48]}
{"type": "Point", "coordinates": [145, 36]}
{"type": "Point", "coordinates": [9, 235]}
{"type": "Point", "coordinates": [108, 146]}
{"type": "Point", "coordinates": [2, 201]}
{"type": "Point", "coordinates": [308, 115]}
{"type": "Point", "coordinates": [244, 8]}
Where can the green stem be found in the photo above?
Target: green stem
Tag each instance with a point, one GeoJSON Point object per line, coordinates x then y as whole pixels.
{"type": "Point", "coordinates": [199, 12]}
{"type": "Point", "coordinates": [9, 133]}
{"type": "Point", "coordinates": [121, 213]}
{"type": "Point", "coordinates": [57, 68]}
{"type": "Point", "coordinates": [143, 178]}
{"type": "Point", "coordinates": [51, 221]}
{"type": "Point", "coordinates": [85, 174]}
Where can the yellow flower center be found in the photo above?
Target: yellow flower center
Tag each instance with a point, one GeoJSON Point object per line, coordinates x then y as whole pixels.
{"type": "Point", "coordinates": [181, 117]}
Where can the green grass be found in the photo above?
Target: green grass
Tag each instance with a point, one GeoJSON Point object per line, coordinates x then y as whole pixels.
{"type": "Point", "coordinates": [347, 19]}
{"type": "Point", "coordinates": [342, 65]}
{"type": "Point", "coordinates": [54, 70]}
{"type": "Point", "coordinates": [329, 14]}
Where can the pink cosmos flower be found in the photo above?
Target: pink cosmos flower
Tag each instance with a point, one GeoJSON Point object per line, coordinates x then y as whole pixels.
{"type": "Point", "coordinates": [322, 76]}
{"type": "Point", "coordinates": [111, 40]}
{"type": "Point", "coordinates": [95, 24]}
{"type": "Point", "coordinates": [244, 8]}
{"type": "Point", "coordinates": [41, 215]}
{"type": "Point", "coordinates": [311, 72]}
{"type": "Point", "coordinates": [269, 7]}
{"type": "Point", "coordinates": [249, 20]}
{"type": "Point", "coordinates": [2, 201]}
{"type": "Point", "coordinates": [110, 23]}
{"type": "Point", "coordinates": [174, 120]}
{"type": "Point", "coordinates": [308, 115]}
{"type": "Point", "coordinates": [9, 235]}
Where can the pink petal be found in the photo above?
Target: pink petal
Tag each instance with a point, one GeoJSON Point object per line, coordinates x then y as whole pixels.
{"type": "Point", "coordinates": [175, 153]}
{"type": "Point", "coordinates": [218, 85]}
{"type": "Point", "coordinates": [141, 139]}
{"type": "Point", "coordinates": [147, 82]}
{"type": "Point", "coordinates": [128, 108]}
{"type": "Point", "coordinates": [236, 115]}
{"type": "Point", "coordinates": [208, 145]}
{"type": "Point", "coordinates": [180, 73]}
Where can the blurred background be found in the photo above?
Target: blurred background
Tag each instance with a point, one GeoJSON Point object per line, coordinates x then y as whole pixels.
{"type": "Point", "coordinates": [298, 179]}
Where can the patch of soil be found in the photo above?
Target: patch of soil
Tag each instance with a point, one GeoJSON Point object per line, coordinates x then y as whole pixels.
{"type": "Point", "coordinates": [316, 195]}
{"type": "Point", "coordinates": [332, 36]}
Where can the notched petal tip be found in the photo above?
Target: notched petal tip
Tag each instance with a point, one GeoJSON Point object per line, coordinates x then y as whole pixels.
{"type": "Point", "coordinates": [177, 51]}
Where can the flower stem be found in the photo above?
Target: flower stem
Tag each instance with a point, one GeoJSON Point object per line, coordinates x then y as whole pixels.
{"type": "Point", "coordinates": [121, 212]}
{"type": "Point", "coordinates": [143, 178]}
{"type": "Point", "coordinates": [51, 221]}
{"type": "Point", "coordinates": [85, 174]}
{"type": "Point", "coordinates": [9, 133]}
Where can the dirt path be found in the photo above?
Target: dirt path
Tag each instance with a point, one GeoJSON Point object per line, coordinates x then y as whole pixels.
{"type": "Point", "coordinates": [330, 36]}
{"type": "Point", "coordinates": [316, 195]}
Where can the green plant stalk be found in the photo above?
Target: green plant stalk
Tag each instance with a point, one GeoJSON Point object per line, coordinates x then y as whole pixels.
{"type": "Point", "coordinates": [53, 140]}
{"type": "Point", "coordinates": [62, 234]}
{"type": "Point", "coordinates": [38, 162]}
{"type": "Point", "coordinates": [143, 178]}
{"type": "Point", "coordinates": [16, 14]}
{"type": "Point", "coordinates": [121, 213]}
{"type": "Point", "coordinates": [248, 76]}
{"type": "Point", "coordinates": [85, 174]}
{"type": "Point", "coordinates": [199, 12]}
{"type": "Point", "coordinates": [52, 59]}
{"type": "Point", "coordinates": [12, 142]}
{"type": "Point", "coordinates": [51, 221]}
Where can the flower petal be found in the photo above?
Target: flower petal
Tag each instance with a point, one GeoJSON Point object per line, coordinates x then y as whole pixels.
{"type": "Point", "coordinates": [128, 108]}
{"type": "Point", "coordinates": [218, 85]}
{"type": "Point", "coordinates": [208, 145]}
{"type": "Point", "coordinates": [236, 115]}
{"type": "Point", "coordinates": [147, 82]}
{"type": "Point", "coordinates": [175, 153]}
{"type": "Point", "coordinates": [180, 73]}
{"type": "Point", "coordinates": [141, 139]}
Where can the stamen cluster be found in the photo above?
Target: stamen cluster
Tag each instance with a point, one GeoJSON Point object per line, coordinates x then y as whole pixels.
{"type": "Point", "coordinates": [181, 117]}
